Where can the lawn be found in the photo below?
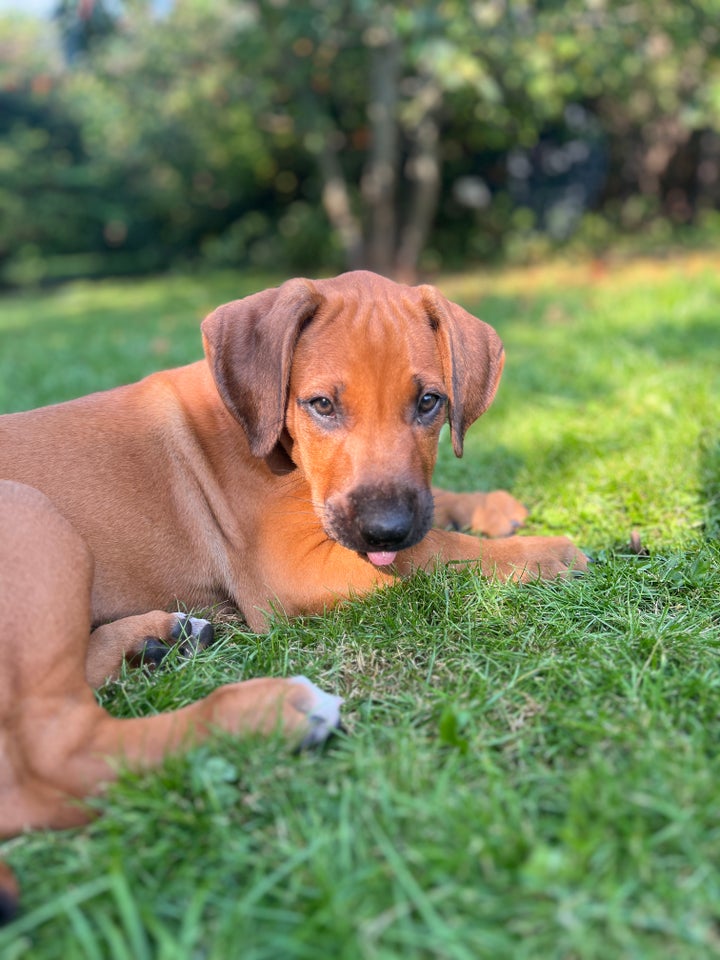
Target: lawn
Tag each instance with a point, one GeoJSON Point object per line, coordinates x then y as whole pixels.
{"type": "Point", "coordinates": [528, 771]}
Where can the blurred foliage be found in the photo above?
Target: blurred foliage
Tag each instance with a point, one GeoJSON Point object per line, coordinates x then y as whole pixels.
{"type": "Point", "coordinates": [316, 135]}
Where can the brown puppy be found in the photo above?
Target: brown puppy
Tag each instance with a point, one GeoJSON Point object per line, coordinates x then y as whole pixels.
{"type": "Point", "coordinates": [288, 470]}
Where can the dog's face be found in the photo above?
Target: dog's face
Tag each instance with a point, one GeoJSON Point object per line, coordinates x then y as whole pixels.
{"type": "Point", "coordinates": [357, 375]}
{"type": "Point", "coordinates": [366, 402]}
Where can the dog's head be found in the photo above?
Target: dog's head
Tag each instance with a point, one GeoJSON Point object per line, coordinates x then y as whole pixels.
{"type": "Point", "coordinates": [355, 377]}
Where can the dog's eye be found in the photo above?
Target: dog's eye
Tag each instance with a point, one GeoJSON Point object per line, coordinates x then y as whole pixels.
{"type": "Point", "coordinates": [323, 406]}
{"type": "Point", "coordinates": [427, 403]}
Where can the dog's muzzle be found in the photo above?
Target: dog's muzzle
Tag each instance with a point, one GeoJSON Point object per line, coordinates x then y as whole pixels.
{"type": "Point", "coordinates": [379, 523]}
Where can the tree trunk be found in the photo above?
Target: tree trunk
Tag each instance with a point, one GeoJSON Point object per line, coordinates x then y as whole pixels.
{"type": "Point", "coordinates": [379, 182]}
{"type": "Point", "coordinates": [661, 140]}
{"type": "Point", "coordinates": [423, 171]}
{"type": "Point", "coordinates": [336, 201]}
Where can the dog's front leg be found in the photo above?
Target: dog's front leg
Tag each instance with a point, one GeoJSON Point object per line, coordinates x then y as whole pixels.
{"type": "Point", "coordinates": [309, 575]}
{"type": "Point", "coordinates": [494, 514]}
{"type": "Point", "coordinates": [511, 558]}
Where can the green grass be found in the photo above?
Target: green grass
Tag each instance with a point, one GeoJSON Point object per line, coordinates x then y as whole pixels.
{"type": "Point", "coordinates": [528, 772]}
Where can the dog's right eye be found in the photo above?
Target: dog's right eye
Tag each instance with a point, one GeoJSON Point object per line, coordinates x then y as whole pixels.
{"type": "Point", "coordinates": [428, 403]}
{"type": "Point", "coordinates": [322, 406]}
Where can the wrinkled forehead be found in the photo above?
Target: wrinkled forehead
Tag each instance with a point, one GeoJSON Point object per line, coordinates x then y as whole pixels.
{"type": "Point", "coordinates": [355, 335]}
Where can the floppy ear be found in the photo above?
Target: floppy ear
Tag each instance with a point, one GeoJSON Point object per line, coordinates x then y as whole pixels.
{"type": "Point", "coordinates": [249, 345]}
{"type": "Point", "coordinates": [472, 358]}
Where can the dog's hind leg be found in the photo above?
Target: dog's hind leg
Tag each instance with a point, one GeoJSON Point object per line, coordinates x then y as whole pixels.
{"type": "Point", "coordinates": [57, 745]}
{"type": "Point", "coordinates": [147, 638]}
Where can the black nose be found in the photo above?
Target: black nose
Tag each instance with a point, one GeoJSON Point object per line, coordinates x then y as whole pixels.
{"type": "Point", "coordinates": [384, 524]}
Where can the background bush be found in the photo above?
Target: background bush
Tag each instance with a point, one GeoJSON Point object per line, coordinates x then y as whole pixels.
{"type": "Point", "coordinates": [344, 133]}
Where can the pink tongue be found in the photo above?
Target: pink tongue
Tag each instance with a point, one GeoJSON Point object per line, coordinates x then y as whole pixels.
{"type": "Point", "coordinates": [382, 558]}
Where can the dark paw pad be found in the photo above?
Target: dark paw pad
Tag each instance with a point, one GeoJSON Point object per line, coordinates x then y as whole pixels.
{"type": "Point", "coordinates": [152, 654]}
{"type": "Point", "coordinates": [192, 634]}
{"type": "Point", "coordinates": [8, 907]}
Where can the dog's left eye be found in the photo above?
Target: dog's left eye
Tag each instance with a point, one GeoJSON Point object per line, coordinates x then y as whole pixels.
{"type": "Point", "coordinates": [427, 403]}
{"type": "Point", "coordinates": [322, 406]}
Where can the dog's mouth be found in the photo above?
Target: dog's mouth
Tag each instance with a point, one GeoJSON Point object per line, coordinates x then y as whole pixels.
{"type": "Point", "coordinates": [378, 524]}
{"type": "Point", "coordinates": [382, 558]}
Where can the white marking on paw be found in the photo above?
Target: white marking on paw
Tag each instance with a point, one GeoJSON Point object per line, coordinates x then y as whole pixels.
{"type": "Point", "coordinates": [324, 712]}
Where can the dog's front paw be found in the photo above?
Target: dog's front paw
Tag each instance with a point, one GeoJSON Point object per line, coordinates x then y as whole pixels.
{"type": "Point", "coordinates": [494, 514]}
{"type": "Point", "coordinates": [497, 514]}
{"type": "Point", "coordinates": [532, 558]}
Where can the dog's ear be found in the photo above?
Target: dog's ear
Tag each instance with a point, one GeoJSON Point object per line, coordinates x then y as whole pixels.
{"type": "Point", "coordinates": [472, 357]}
{"type": "Point", "coordinates": [249, 345]}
